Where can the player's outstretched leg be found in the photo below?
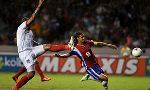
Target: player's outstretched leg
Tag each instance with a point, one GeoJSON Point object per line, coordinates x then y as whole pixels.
{"type": "Point", "coordinates": [15, 77]}
{"type": "Point", "coordinates": [60, 47]}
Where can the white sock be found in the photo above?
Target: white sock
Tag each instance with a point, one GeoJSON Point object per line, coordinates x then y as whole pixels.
{"type": "Point", "coordinates": [105, 85]}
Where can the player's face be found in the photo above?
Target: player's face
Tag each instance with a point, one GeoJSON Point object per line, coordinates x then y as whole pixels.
{"type": "Point", "coordinates": [81, 38]}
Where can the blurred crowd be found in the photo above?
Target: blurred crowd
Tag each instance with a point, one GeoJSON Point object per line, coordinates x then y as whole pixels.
{"type": "Point", "coordinates": [121, 22]}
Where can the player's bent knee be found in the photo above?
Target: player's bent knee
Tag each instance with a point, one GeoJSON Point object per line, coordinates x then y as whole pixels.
{"type": "Point", "coordinates": [31, 74]}
{"type": "Point", "coordinates": [104, 77]}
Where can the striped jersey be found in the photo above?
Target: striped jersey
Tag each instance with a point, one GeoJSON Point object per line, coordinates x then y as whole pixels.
{"type": "Point", "coordinates": [24, 38]}
{"type": "Point", "coordinates": [85, 54]}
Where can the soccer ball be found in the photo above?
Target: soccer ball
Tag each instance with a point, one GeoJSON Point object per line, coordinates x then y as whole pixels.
{"type": "Point", "coordinates": [136, 52]}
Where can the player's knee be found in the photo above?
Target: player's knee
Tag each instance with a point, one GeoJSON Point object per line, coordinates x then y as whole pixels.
{"type": "Point", "coordinates": [31, 74]}
{"type": "Point", "coordinates": [104, 77]}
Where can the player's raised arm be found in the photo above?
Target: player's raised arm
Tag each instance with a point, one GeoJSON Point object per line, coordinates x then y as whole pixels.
{"type": "Point", "coordinates": [104, 44]}
{"type": "Point", "coordinates": [62, 55]}
{"type": "Point", "coordinates": [31, 19]}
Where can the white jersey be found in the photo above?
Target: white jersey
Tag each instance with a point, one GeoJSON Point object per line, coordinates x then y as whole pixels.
{"type": "Point", "coordinates": [24, 38]}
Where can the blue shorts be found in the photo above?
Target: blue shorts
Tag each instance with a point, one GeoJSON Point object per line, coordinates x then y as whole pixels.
{"type": "Point", "coordinates": [95, 71]}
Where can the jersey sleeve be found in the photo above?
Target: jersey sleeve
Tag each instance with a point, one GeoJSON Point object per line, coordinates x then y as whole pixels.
{"type": "Point", "coordinates": [23, 25]}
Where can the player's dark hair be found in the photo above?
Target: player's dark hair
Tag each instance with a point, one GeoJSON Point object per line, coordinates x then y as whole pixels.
{"type": "Point", "coordinates": [75, 36]}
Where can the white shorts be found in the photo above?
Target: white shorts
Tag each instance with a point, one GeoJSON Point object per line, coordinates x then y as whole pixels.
{"type": "Point", "coordinates": [28, 57]}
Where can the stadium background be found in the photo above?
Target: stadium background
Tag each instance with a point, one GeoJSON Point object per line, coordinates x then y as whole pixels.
{"type": "Point", "coordinates": [121, 22]}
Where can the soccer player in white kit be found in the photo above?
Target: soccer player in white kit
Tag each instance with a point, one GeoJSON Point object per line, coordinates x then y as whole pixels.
{"type": "Point", "coordinates": [28, 53]}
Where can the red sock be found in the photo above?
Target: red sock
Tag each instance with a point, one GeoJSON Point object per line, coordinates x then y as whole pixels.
{"type": "Point", "coordinates": [22, 70]}
{"type": "Point", "coordinates": [23, 81]}
{"type": "Point", "coordinates": [38, 70]}
{"type": "Point", "coordinates": [56, 48]}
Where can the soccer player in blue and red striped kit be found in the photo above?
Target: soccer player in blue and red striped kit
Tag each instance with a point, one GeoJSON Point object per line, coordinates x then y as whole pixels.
{"type": "Point", "coordinates": [82, 49]}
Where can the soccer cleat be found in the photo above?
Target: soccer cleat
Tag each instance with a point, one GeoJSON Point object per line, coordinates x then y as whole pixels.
{"type": "Point", "coordinates": [15, 79]}
{"type": "Point", "coordinates": [71, 43]}
{"type": "Point", "coordinates": [45, 79]}
{"type": "Point", "coordinates": [84, 78]}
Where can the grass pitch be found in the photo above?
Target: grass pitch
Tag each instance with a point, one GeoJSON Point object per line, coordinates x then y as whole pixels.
{"type": "Point", "coordinates": [72, 82]}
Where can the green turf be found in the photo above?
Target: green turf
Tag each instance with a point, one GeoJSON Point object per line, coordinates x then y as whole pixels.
{"type": "Point", "coordinates": [71, 82]}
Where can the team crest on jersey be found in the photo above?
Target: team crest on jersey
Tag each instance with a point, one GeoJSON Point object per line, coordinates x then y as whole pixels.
{"type": "Point", "coordinates": [27, 31]}
{"type": "Point", "coordinates": [28, 61]}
